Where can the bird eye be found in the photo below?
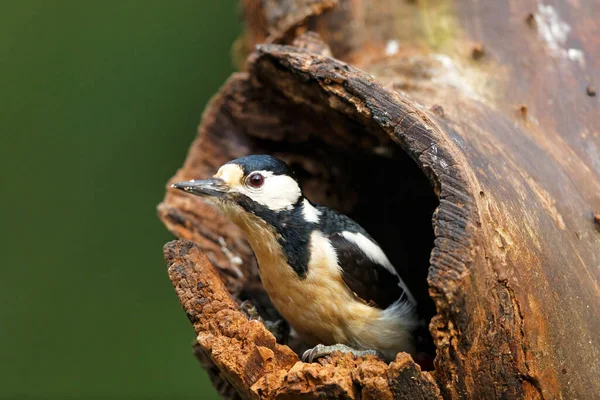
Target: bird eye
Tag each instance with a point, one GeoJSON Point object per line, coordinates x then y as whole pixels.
{"type": "Point", "coordinates": [256, 180]}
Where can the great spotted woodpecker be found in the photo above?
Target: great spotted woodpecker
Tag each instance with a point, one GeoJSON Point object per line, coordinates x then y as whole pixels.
{"type": "Point", "coordinates": [323, 272]}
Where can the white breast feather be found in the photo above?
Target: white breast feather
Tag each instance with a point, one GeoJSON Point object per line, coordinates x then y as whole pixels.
{"type": "Point", "coordinates": [323, 257]}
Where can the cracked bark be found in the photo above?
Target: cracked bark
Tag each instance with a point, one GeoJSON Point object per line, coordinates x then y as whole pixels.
{"type": "Point", "coordinates": [513, 263]}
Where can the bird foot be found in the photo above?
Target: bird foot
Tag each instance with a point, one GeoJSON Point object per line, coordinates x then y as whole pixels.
{"type": "Point", "coordinates": [320, 350]}
{"type": "Point", "coordinates": [278, 328]}
{"type": "Point", "coordinates": [249, 310]}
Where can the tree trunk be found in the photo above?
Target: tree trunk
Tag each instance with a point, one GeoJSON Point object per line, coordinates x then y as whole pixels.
{"type": "Point", "coordinates": [480, 114]}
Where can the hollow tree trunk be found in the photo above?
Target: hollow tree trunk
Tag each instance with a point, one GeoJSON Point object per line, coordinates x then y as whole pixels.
{"type": "Point", "coordinates": [480, 113]}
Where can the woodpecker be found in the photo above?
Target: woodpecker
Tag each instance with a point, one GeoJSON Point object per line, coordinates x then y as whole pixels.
{"type": "Point", "coordinates": [323, 272]}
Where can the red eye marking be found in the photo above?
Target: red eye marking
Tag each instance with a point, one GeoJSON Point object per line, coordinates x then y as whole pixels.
{"type": "Point", "coordinates": [256, 180]}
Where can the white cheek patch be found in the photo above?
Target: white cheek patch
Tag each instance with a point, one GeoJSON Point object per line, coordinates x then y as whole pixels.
{"type": "Point", "coordinates": [310, 213]}
{"type": "Point", "coordinates": [278, 192]}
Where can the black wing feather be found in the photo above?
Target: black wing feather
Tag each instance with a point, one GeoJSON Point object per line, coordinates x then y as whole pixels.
{"type": "Point", "coordinates": [372, 282]}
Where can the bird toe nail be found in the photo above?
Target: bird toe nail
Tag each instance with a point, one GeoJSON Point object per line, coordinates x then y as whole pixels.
{"type": "Point", "coordinates": [305, 355]}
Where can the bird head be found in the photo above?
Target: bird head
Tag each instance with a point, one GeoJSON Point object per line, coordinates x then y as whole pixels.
{"type": "Point", "coordinates": [253, 186]}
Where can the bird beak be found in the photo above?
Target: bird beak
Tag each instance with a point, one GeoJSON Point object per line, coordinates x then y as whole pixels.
{"type": "Point", "coordinates": [213, 187]}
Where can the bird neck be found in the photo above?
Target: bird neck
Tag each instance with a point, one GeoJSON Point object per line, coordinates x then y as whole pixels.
{"type": "Point", "coordinates": [284, 234]}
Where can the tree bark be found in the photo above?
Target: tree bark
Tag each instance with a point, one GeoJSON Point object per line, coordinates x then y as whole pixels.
{"type": "Point", "coordinates": [482, 114]}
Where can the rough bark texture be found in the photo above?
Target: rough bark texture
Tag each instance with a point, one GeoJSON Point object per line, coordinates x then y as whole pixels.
{"type": "Point", "coordinates": [244, 355]}
{"type": "Point", "coordinates": [490, 101]}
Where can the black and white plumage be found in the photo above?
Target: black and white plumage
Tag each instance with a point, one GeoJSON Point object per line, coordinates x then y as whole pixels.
{"type": "Point", "coordinates": [323, 272]}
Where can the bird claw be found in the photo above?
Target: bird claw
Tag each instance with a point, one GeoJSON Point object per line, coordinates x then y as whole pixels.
{"type": "Point", "coordinates": [309, 355]}
{"type": "Point", "coordinates": [278, 327]}
{"type": "Point", "coordinates": [321, 350]}
{"type": "Point", "coordinates": [251, 312]}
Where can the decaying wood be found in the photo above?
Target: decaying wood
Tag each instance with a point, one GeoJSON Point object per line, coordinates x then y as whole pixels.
{"type": "Point", "coordinates": [246, 355]}
{"type": "Point", "coordinates": [416, 89]}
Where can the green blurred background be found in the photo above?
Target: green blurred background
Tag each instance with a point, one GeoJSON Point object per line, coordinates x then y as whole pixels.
{"type": "Point", "coordinates": [100, 100]}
